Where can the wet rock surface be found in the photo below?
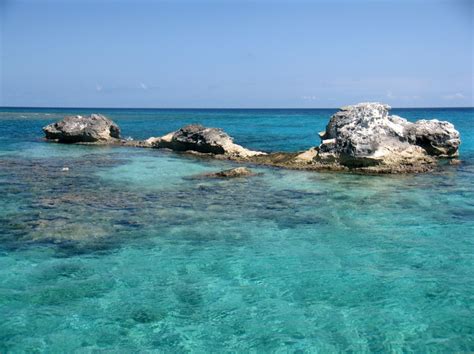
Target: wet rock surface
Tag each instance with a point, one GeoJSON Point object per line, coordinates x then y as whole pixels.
{"type": "Point", "coordinates": [83, 129]}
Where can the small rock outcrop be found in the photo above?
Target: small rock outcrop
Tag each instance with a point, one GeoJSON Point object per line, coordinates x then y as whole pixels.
{"type": "Point", "coordinates": [95, 128]}
{"type": "Point", "coordinates": [365, 136]}
{"type": "Point", "coordinates": [200, 139]}
{"type": "Point", "coordinates": [232, 173]}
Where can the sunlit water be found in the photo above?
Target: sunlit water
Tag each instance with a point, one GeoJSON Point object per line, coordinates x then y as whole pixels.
{"type": "Point", "coordinates": [126, 252]}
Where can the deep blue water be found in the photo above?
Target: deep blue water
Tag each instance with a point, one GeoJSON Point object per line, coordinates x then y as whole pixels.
{"type": "Point", "coordinates": [124, 252]}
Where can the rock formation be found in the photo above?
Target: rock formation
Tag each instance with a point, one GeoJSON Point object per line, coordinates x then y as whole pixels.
{"type": "Point", "coordinates": [365, 136]}
{"type": "Point", "coordinates": [360, 138]}
{"type": "Point", "coordinates": [204, 140]}
{"type": "Point", "coordinates": [83, 129]}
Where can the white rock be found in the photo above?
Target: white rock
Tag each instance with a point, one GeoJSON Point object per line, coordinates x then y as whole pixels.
{"type": "Point", "coordinates": [365, 134]}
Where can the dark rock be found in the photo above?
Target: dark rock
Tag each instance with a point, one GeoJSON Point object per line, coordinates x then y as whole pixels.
{"type": "Point", "coordinates": [201, 139]}
{"type": "Point", "coordinates": [197, 138]}
{"type": "Point", "coordinates": [83, 129]}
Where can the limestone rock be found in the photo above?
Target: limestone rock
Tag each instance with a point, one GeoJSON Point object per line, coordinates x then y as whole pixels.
{"type": "Point", "coordinates": [365, 136]}
{"type": "Point", "coordinates": [83, 129]}
{"type": "Point", "coordinates": [436, 137]}
{"type": "Point", "coordinates": [202, 139]}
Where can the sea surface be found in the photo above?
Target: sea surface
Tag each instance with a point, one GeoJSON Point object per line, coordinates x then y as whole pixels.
{"type": "Point", "coordinates": [127, 252]}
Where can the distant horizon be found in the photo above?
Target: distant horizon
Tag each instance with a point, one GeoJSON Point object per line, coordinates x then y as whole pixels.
{"type": "Point", "coordinates": [226, 108]}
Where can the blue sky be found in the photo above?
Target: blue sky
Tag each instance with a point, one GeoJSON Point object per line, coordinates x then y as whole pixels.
{"type": "Point", "coordinates": [237, 54]}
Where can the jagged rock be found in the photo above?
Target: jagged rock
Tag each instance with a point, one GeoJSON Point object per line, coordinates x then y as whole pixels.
{"type": "Point", "coordinates": [201, 139]}
{"type": "Point", "coordinates": [86, 129]}
{"type": "Point", "coordinates": [358, 131]}
{"type": "Point", "coordinates": [232, 173]}
{"type": "Point", "coordinates": [436, 137]}
{"type": "Point", "coordinates": [366, 136]}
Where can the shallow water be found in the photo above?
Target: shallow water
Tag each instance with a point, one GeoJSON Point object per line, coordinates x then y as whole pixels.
{"type": "Point", "coordinates": [125, 252]}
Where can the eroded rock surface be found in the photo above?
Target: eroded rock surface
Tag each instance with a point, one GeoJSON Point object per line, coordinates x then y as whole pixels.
{"type": "Point", "coordinates": [436, 137]}
{"type": "Point", "coordinates": [83, 129]}
{"type": "Point", "coordinates": [365, 136]}
{"type": "Point", "coordinates": [201, 139]}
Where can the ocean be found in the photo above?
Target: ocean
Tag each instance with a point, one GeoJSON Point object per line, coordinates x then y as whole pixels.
{"type": "Point", "coordinates": [125, 252]}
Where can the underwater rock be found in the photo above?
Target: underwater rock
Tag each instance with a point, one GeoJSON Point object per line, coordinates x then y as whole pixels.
{"type": "Point", "coordinates": [201, 139]}
{"type": "Point", "coordinates": [83, 129]}
{"type": "Point", "coordinates": [232, 173]}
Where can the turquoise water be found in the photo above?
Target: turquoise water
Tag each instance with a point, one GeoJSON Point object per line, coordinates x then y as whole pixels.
{"type": "Point", "coordinates": [126, 252]}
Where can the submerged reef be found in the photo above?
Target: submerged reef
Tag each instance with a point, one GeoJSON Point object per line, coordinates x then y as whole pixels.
{"type": "Point", "coordinates": [237, 172]}
{"type": "Point", "coordinates": [360, 138]}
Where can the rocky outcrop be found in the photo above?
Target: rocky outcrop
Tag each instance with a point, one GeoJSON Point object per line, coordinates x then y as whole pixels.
{"type": "Point", "coordinates": [365, 136]}
{"type": "Point", "coordinates": [95, 128]}
{"type": "Point", "coordinates": [361, 138]}
{"type": "Point", "coordinates": [198, 138]}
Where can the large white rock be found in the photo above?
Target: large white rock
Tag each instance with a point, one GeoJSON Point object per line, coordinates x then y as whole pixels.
{"type": "Point", "coordinates": [365, 135]}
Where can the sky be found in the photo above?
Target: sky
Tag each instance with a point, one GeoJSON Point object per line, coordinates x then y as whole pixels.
{"type": "Point", "coordinates": [236, 54]}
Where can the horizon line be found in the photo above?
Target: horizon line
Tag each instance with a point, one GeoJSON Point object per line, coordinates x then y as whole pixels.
{"type": "Point", "coordinates": [218, 108]}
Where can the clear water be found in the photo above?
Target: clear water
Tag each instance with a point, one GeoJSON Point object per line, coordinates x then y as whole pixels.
{"type": "Point", "coordinates": [125, 252]}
